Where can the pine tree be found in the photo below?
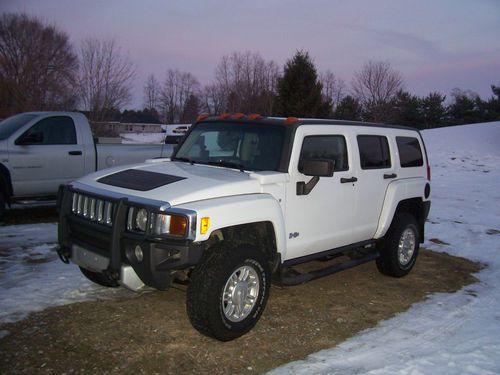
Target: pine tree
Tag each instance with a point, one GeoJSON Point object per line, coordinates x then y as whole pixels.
{"type": "Point", "coordinates": [433, 110]}
{"type": "Point", "coordinates": [407, 110]}
{"type": "Point", "coordinates": [299, 90]}
{"type": "Point", "coordinates": [349, 108]}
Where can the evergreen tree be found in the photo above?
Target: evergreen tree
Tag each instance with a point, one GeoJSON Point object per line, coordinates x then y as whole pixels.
{"type": "Point", "coordinates": [407, 110]}
{"type": "Point", "coordinates": [349, 108]}
{"type": "Point", "coordinates": [191, 109]}
{"type": "Point", "coordinates": [466, 107]}
{"type": "Point", "coordinates": [491, 108]}
{"type": "Point", "coordinates": [433, 110]}
{"type": "Point", "coordinates": [299, 90]}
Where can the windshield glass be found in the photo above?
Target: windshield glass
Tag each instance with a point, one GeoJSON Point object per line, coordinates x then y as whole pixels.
{"type": "Point", "coordinates": [10, 125]}
{"type": "Point", "coordinates": [254, 147]}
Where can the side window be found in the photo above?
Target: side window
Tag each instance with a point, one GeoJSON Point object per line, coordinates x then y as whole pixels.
{"type": "Point", "coordinates": [374, 152]}
{"type": "Point", "coordinates": [331, 147]}
{"type": "Point", "coordinates": [55, 131]}
{"type": "Point", "coordinates": [410, 153]}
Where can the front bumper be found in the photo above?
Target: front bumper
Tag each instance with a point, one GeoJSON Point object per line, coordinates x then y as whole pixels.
{"type": "Point", "coordinates": [124, 256]}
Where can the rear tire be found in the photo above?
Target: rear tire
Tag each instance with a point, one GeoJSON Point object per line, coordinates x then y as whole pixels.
{"type": "Point", "coordinates": [228, 291]}
{"type": "Point", "coordinates": [399, 249]}
{"type": "Point", "coordinates": [100, 278]}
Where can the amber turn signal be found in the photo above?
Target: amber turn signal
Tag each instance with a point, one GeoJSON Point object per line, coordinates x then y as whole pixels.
{"type": "Point", "coordinates": [205, 224]}
{"type": "Point", "coordinates": [178, 225]}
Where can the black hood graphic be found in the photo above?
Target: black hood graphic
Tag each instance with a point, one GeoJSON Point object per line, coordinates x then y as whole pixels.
{"type": "Point", "coordinates": [136, 179]}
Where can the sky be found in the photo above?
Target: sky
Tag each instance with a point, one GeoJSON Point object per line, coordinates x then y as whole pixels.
{"type": "Point", "coordinates": [435, 45]}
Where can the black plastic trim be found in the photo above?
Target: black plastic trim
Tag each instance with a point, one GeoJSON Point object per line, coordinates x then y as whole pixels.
{"type": "Point", "coordinates": [322, 254]}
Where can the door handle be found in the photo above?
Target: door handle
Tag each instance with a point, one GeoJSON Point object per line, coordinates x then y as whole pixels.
{"type": "Point", "coordinates": [74, 153]}
{"type": "Point", "coordinates": [347, 180]}
{"type": "Point", "coordinates": [388, 176]}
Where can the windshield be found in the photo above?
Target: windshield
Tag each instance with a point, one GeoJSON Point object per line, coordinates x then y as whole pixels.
{"type": "Point", "coordinates": [10, 125]}
{"type": "Point", "coordinates": [254, 147]}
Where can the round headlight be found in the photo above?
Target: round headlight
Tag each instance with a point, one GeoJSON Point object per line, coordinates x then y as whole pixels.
{"type": "Point", "coordinates": [141, 219]}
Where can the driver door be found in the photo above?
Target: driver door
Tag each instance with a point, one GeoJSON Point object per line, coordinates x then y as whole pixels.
{"type": "Point", "coordinates": [46, 155]}
{"type": "Point", "coordinates": [321, 220]}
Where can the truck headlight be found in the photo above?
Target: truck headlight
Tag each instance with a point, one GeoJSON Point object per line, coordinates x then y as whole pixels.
{"type": "Point", "coordinates": [176, 225]}
{"type": "Point", "coordinates": [137, 219]}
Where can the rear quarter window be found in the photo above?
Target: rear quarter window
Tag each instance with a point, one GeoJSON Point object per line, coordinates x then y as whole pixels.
{"type": "Point", "coordinates": [410, 153]}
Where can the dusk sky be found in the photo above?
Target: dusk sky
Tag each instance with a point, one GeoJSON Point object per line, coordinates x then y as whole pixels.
{"type": "Point", "coordinates": [436, 44]}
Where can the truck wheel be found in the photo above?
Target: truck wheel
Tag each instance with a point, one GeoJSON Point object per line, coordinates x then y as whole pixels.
{"type": "Point", "coordinates": [399, 249]}
{"type": "Point", "coordinates": [228, 291]}
{"type": "Point", "coordinates": [99, 278]}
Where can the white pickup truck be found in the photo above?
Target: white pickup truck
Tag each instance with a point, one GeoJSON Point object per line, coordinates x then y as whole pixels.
{"type": "Point", "coordinates": [39, 151]}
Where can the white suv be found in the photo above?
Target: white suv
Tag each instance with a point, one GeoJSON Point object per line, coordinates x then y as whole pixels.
{"type": "Point", "coordinates": [244, 199]}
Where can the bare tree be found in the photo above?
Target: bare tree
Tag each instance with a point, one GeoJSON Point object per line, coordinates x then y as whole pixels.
{"type": "Point", "coordinates": [334, 88]}
{"type": "Point", "coordinates": [212, 99]}
{"type": "Point", "coordinates": [37, 66]}
{"type": "Point", "coordinates": [177, 88]}
{"type": "Point", "coordinates": [106, 77]}
{"type": "Point", "coordinates": [152, 91]}
{"type": "Point", "coordinates": [246, 83]}
{"type": "Point", "coordinates": [375, 86]}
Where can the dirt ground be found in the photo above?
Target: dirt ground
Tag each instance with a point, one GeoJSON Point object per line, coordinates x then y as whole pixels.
{"type": "Point", "coordinates": [151, 333]}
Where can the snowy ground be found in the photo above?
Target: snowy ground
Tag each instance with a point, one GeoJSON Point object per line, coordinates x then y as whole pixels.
{"type": "Point", "coordinates": [455, 333]}
{"type": "Point", "coordinates": [446, 334]}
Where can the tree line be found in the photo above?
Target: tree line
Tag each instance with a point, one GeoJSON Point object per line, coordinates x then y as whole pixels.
{"type": "Point", "coordinates": [41, 70]}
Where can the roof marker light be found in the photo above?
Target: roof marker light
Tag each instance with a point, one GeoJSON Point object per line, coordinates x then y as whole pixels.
{"type": "Point", "coordinates": [254, 116]}
{"type": "Point", "coordinates": [202, 117]}
{"type": "Point", "coordinates": [291, 120]}
{"type": "Point", "coordinates": [238, 116]}
{"type": "Point", "coordinates": [224, 116]}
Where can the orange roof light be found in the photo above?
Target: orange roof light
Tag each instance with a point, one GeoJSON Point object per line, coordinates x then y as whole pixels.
{"type": "Point", "coordinates": [224, 116]}
{"type": "Point", "coordinates": [238, 116]}
{"type": "Point", "coordinates": [291, 120]}
{"type": "Point", "coordinates": [254, 116]}
{"type": "Point", "coordinates": [202, 117]}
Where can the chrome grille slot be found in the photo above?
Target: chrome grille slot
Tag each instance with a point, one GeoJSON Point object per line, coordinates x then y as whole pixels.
{"type": "Point", "coordinates": [92, 209]}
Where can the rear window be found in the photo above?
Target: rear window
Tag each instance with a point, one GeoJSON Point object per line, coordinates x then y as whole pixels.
{"type": "Point", "coordinates": [410, 153]}
{"type": "Point", "coordinates": [374, 152]}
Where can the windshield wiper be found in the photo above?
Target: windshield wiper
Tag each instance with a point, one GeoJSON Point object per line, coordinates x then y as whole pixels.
{"type": "Point", "coordinates": [189, 160]}
{"type": "Point", "coordinates": [229, 164]}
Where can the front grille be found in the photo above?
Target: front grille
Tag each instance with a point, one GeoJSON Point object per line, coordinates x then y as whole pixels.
{"type": "Point", "coordinates": [92, 209]}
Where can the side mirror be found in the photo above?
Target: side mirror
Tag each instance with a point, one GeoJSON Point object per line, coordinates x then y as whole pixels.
{"type": "Point", "coordinates": [318, 167]}
{"type": "Point", "coordinates": [35, 138]}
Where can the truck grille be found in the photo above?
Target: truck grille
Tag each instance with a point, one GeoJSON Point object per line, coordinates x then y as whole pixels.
{"type": "Point", "coordinates": [93, 209]}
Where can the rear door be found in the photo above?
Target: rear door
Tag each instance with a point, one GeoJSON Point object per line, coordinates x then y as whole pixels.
{"type": "Point", "coordinates": [49, 157]}
{"type": "Point", "coordinates": [375, 171]}
{"type": "Point", "coordinates": [322, 219]}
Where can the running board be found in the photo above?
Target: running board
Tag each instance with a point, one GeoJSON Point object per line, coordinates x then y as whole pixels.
{"type": "Point", "coordinates": [301, 278]}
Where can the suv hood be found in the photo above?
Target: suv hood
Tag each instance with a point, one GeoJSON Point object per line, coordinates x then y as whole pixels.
{"type": "Point", "coordinates": [179, 182]}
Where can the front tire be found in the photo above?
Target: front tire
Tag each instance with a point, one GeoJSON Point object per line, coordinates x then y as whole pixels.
{"type": "Point", "coordinates": [100, 278]}
{"type": "Point", "coordinates": [399, 249]}
{"type": "Point", "coordinates": [228, 291]}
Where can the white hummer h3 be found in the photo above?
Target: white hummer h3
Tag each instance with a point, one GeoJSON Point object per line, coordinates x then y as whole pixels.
{"type": "Point", "coordinates": [241, 201]}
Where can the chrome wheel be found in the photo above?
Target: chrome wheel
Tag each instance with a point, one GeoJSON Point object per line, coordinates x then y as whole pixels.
{"type": "Point", "coordinates": [406, 246]}
{"type": "Point", "coordinates": [240, 293]}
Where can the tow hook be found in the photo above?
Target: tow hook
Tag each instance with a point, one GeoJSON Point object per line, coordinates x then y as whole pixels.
{"type": "Point", "coordinates": [64, 254]}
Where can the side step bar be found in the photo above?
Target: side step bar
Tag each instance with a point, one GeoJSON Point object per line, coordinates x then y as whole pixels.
{"type": "Point", "coordinates": [301, 278]}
